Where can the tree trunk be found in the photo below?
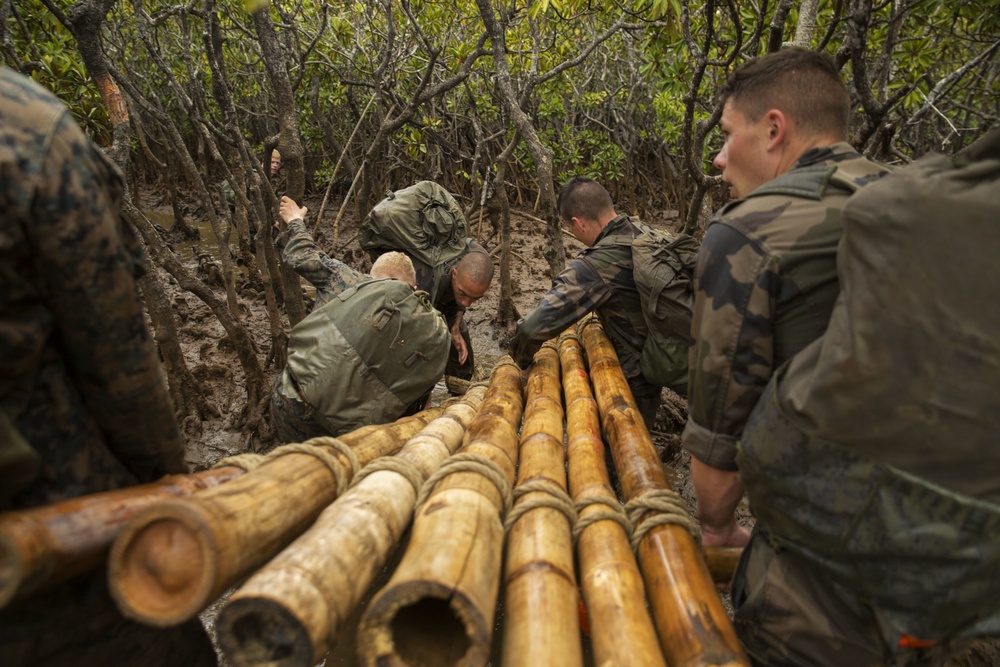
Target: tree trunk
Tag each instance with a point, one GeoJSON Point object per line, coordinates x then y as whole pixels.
{"type": "Point", "coordinates": [289, 143]}
{"type": "Point", "coordinates": [542, 155]}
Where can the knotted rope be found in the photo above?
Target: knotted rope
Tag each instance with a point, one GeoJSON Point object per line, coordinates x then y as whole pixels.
{"type": "Point", "coordinates": [468, 462]}
{"type": "Point", "coordinates": [614, 512]}
{"type": "Point", "coordinates": [317, 447]}
{"type": "Point", "coordinates": [554, 497]}
{"type": "Point", "coordinates": [669, 509]}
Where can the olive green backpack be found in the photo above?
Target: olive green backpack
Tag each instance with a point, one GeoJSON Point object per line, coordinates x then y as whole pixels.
{"type": "Point", "coordinates": [423, 220]}
{"type": "Point", "coordinates": [369, 353]}
{"type": "Point", "coordinates": [663, 270]}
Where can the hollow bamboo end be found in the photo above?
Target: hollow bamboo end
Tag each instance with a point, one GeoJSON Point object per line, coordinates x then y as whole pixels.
{"type": "Point", "coordinates": [422, 625]}
{"type": "Point", "coordinates": [161, 569]}
{"type": "Point", "coordinates": [259, 631]}
{"type": "Point", "coordinates": [24, 565]}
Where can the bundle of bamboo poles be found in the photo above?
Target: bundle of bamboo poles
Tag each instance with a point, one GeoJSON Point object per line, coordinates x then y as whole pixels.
{"type": "Point", "coordinates": [437, 609]}
{"type": "Point", "coordinates": [43, 546]}
{"type": "Point", "coordinates": [541, 600]}
{"type": "Point", "coordinates": [692, 623]}
{"type": "Point", "coordinates": [173, 559]}
{"type": "Point", "coordinates": [304, 595]}
{"type": "Point", "coordinates": [622, 632]}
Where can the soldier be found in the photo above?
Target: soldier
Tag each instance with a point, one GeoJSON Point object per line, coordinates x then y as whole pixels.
{"type": "Point", "coordinates": [83, 403]}
{"type": "Point", "coordinates": [295, 419]}
{"type": "Point", "coordinates": [766, 276]}
{"type": "Point", "coordinates": [870, 459]}
{"type": "Point", "coordinates": [598, 279]}
{"type": "Point", "coordinates": [465, 281]}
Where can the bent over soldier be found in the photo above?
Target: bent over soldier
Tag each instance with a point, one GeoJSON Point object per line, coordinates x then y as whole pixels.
{"type": "Point", "coordinates": [339, 374]}
{"type": "Point", "coordinates": [83, 403]}
{"type": "Point", "coordinates": [599, 279]}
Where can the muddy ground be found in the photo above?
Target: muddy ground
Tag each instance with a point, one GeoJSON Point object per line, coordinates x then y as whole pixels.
{"type": "Point", "coordinates": [214, 362]}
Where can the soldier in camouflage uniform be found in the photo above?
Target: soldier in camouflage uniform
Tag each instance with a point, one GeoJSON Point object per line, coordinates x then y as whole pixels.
{"type": "Point", "coordinates": [290, 412]}
{"type": "Point", "coordinates": [599, 279]}
{"type": "Point", "coordinates": [83, 403]}
{"type": "Point", "coordinates": [766, 278]}
{"type": "Point", "coordinates": [870, 459]}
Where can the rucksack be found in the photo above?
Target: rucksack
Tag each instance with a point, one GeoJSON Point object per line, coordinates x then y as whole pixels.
{"type": "Point", "coordinates": [367, 354]}
{"type": "Point", "coordinates": [423, 220]}
{"type": "Point", "coordinates": [663, 270]}
{"type": "Point", "coordinates": [873, 451]}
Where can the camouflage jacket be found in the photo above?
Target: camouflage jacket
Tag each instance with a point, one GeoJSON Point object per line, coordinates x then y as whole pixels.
{"type": "Point", "coordinates": [765, 284]}
{"type": "Point", "coordinates": [442, 294]}
{"type": "Point", "coordinates": [598, 279]}
{"type": "Point", "coordinates": [329, 276]}
{"type": "Point", "coordinates": [80, 379]}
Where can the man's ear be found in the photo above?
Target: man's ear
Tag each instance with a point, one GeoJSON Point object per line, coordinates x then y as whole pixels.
{"type": "Point", "coordinates": [777, 128]}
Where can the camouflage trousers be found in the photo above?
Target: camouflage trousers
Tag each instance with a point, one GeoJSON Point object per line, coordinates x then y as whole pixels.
{"type": "Point", "coordinates": [788, 612]}
{"type": "Point", "coordinates": [290, 414]}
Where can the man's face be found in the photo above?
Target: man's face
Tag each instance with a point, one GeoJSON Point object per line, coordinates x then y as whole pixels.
{"type": "Point", "coordinates": [466, 291]}
{"type": "Point", "coordinates": [275, 164]}
{"type": "Point", "coordinates": [744, 158]}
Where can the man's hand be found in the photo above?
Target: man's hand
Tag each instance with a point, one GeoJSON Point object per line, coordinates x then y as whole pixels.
{"type": "Point", "coordinates": [460, 347]}
{"type": "Point", "coordinates": [289, 210]}
{"type": "Point", "coordinates": [718, 493]}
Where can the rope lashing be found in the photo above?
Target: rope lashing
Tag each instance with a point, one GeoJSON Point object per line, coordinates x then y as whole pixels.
{"type": "Point", "coordinates": [614, 512]}
{"type": "Point", "coordinates": [317, 447]}
{"type": "Point", "coordinates": [393, 464]}
{"type": "Point", "coordinates": [554, 497]}
{"type": "Point", "coordinates": [669, 509]}
{"type": "Point", "coordinates": [468, 462]}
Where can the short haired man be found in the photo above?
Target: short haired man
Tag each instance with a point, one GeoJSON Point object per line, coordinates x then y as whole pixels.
{"type": "Point", "coordinates": [766, 277]}
{"type": "Point", "coordinates": [466, 279]}
{"type": "Point", "coordinates": [599, 279]}
{"type": "Point", "coordinates": [291, 413]}
{"type": "Point", "coordinates": [83, 402]}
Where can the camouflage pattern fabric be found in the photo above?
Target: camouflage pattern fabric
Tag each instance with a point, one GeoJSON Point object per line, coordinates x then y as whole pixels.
{"type": "Point", "coordinates": [599, 279]}
{"type": "Point", "coordinates": [329, 276]}
{"type": "Point", "coordinates": [870, 457]}
{"type": "Point", "coordinates": [80, 379]}
{"type": "Point", "coordinates": [291, 416]}
{"type": "Point", "coordinates": [790, 614]}
{"type": "Point", "coordinates": [765, 283]}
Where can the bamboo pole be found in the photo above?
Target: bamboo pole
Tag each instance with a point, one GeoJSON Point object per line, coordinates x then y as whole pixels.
{"type": "Point", "coordinates": [722, 562]}
{"type": "Point", "coordinates": [43, 546]}
{"type": "Point", "coordinates": [173, 559]}
{"type": "Point", "coordinates": [305, 594]}
{"type": "Point", "coordinates": [437, 608]}
{"type": "Point", "coordinates": [622, 632]}
{"type": "Point", "coordinates": [541, 608]}
{"type": "Point", "coordinates": [690, 619]}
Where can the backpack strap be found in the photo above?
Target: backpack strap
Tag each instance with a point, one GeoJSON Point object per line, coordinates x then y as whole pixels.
{"type": "Point", "coordinates": [806, 182]}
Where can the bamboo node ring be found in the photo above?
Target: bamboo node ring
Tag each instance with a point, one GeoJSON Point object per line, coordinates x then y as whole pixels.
{"type": "Point", "coordinates": [555, 498]}
{"type": "Point", "coordinates": [669, 509]}
{"type": "Point", "coordinates": [393, 464]}
{"type": "Point", "coordinates": [468, 462]}
{"type": "Point", "coordinates": [317, 447]}
{"type": "Point", "coordinates": [615, 512]}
